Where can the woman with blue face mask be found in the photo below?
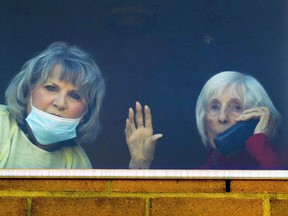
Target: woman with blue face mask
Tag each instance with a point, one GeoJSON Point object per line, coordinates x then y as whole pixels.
{"type": "Point", "coordinates": [52, 109]}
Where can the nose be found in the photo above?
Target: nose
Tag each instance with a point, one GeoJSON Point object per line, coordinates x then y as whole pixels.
{"type": "Point", "coordinates": [60, 102]}
{"type": "Point", "coordinates": [223, 117]}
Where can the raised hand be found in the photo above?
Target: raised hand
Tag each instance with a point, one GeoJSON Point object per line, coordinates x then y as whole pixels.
{"type": "Point", "coordinates": [139, 137]}
{"type": "Point", "coordinates": [266, 123]}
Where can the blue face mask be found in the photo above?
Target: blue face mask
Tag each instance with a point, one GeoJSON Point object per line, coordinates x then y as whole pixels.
{"type": "Point", "coordinates": [48, 128]}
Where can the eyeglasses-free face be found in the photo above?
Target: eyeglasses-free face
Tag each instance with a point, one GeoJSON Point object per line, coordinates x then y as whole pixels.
{"type": "Point", "coordinates": [222, 111]}
{"type": "Point", "coordinates": [57, 97]}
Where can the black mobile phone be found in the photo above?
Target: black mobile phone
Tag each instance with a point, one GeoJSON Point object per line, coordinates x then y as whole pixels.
{"type": "Point", "coordinates": [233, 139]}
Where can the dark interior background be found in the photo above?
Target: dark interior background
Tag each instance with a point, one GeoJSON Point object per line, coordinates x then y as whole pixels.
{"type": "Point", "coordinates": [160, 52]}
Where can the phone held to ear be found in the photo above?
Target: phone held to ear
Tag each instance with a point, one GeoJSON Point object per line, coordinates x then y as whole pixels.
{"type": "Point", "coordinates": [234, 138]}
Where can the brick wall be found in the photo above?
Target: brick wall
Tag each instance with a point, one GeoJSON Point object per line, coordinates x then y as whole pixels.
{"type": "Point", "coordinates": [147, 197]}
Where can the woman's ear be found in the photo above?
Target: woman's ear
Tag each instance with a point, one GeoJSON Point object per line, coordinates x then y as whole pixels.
{"type": "Point", "coordinates": [83, 119]}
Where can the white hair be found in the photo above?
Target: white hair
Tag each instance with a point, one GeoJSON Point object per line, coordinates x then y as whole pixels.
{"type": "Point", "coordinates": [254, 95]}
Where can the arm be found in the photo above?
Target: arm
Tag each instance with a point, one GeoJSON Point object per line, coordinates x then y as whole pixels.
{"type": "Point", "coordinates": [259, 148]}
{"type": "Point", "coordinates": [258, 145]}
{"type": "Point", "coordinates": [139, 137]}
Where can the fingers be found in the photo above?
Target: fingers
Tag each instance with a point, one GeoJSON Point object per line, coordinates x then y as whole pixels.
{"type": "Point", "coordinates": [131, 119]}
{"type": "Point", "coordinates": [263, 113]}
{"type": "Point", "coordinates": [155, 137]}
{"type": "Point", "coordinates": [148, 117]}
{"type": "Point", "coordinates": [139, 115]}
{"type": "Point", "coordinates": [150, 144]}
{"type": "Point", "coordinates": [128, 130]}
{"type": "Point", "coordinates": [258, 112]}
{"type": "Point", "coordinates": [152, 140]}
{"type": "Point", "coordinates": [139, 120]}
{"type": "Point", "coordinates": [130, 125]}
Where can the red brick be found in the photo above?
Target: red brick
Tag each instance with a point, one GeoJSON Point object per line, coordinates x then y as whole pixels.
{"type": "Point", "coordinates": [89, 206]}
{"type": "Point", "coordinates": [205, 206]}
{"type": "Point", "coordinates": [193, 186]}
{"type": "Point", "coordinates": [13, 206]}
{"type": "Point", "coordinates": [279, 207]}
{"type": "Point", "coordinates": [54, 184]}
{"type": "Point", "coordinates": [259, 186]}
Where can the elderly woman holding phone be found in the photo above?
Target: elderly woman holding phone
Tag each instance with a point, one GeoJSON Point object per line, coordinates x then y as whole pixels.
{"type": "Point", "coordinates": [228, 98]}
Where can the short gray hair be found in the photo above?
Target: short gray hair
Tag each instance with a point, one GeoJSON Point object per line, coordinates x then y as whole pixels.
{"type": "Point", "coordinates": [77, 67]}
{"type": "Point", "coordinates": [253, 92]}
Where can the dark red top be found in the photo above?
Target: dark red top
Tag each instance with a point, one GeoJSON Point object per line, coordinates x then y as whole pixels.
{"type": "Point", "coordinates": [259, 154]}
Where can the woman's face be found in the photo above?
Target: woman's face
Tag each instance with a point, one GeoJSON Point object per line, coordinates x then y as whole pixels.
{"type": "Point", "coordinates": [222, 110]}
{"type": "Point", "coordinates": [57, 97]}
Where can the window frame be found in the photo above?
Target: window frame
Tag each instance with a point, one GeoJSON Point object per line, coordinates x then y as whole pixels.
{"type": "Point", "coordinates": [143, 174]}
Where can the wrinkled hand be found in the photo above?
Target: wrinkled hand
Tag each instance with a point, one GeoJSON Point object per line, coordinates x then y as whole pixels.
{"type": "Point", "coordinates": [266, 123]}
{"type": "Point", "coordinates": [139, 137]}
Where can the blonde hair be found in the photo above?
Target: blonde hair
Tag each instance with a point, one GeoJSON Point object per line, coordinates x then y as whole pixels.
{"type": "Point", "coordinates": [77, 67]}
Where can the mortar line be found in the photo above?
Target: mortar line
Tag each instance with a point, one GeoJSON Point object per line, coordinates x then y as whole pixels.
{"type": "Point", "coordinates": [137, 194]}
{"type": "Point", "coordinates": [147, 212]}
{"type": "Point", "coordinates": [29, 206]}
{"type": "Point", "coordinates": [266, 206]}
{"type": "Point", "coordinates": [110, 185]}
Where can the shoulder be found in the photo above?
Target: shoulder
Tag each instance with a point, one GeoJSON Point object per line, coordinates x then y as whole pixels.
{"type": "Point", "coordinates": [4, 114]}
{"type": "Point", "coordinates": [8, 132]}
{"type": "Point", "coordinates": [3, 110]}
{"type": "Point", "coordinates": [7, 122]}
